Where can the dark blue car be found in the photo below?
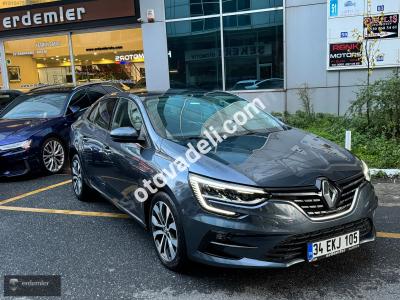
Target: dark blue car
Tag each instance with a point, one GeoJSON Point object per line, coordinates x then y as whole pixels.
{"type": "Point", "coordinates": [263, 195]}
{"type": "Point", "coordinates": [35, 127]}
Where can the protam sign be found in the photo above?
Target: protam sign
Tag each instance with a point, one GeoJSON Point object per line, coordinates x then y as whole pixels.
{"type": "Point", "coordinates": [83, 11]}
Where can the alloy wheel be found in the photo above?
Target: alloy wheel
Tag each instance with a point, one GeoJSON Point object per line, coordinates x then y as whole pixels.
{"type": "Point", "coordinates": [53, 156]}
{"type": "Point", "coordinates": [77, 176]}
{"type": "Point", "coordinates": [164, 231]}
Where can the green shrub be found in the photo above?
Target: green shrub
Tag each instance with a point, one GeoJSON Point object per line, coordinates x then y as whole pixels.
{"type": "Point", "coordinates": [383, 98]}
{"type": "Point", "coordinates": [373, 147]}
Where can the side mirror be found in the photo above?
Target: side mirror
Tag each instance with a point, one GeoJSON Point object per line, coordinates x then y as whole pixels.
{"type": "Point", "coordinates": [125, 135]}
{"type": "Point", "coordinates": [74, 109]}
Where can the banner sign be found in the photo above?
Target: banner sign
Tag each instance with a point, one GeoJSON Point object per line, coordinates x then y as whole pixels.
{"type": "Point", "coordinates": [350, 22]}
{"type": "Point", "coordinates": [345, 55]}
{"type": "Point", "coordinates": [75, 12]}
{"type": "Point", "coordinates": [381, 27]}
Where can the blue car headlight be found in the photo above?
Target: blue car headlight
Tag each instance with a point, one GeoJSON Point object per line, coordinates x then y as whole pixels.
{"type": "Point", "coordinates": [25, 145]}
{"type": "Point", "coordinates": [208, 191]}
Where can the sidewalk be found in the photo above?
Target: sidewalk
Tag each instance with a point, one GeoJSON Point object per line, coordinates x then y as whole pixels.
{"type": "Point", "coordinates": [388, 193]}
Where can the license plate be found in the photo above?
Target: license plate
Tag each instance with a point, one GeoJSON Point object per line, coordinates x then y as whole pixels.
{"type": "Point", "coordinates": [333, 246]}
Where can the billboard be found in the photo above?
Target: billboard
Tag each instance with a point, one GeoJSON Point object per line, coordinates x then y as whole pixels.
{"type": "Point", "coordinates": [348, 21]}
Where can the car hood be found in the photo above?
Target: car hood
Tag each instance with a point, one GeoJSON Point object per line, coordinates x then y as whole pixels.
{"type": "Point", "coordinates": [12, 131]}
{"type": "Point", "coordinates": [291, 158]}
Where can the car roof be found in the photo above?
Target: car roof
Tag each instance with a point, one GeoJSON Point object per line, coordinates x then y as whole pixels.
{"type": "Point", "coordinates": [66, 88]}
{"type": "Point", "coordinates": [177, 92]}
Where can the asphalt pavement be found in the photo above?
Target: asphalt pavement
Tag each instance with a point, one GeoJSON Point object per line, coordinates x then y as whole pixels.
{"type": "Point", "coordinates": [101, 254]}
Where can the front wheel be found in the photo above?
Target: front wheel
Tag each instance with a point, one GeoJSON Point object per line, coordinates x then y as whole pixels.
{"type": "Point", "coordinates": [81, 189]}
{"type": "Point", "coordinates": [53, 156]}
{"type": "Point", "coordinates": [167, 233]}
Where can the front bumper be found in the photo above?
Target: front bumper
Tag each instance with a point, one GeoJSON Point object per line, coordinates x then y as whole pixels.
{"type": "Point", "coordinates": [273, 235]}
{"type": "Point", "coordinates": [14, 164]}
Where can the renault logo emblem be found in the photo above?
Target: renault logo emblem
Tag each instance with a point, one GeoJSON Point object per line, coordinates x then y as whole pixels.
{"type": "Point", "coordinates": [330, 194]}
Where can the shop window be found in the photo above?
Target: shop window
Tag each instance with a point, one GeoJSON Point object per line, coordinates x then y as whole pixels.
{"type": "Point", "coordinates": [16, 3]}
{"type": "Point", "coordinates": [195, 54]}
{"type": "Point", "coordinates": [230, 6]}
{"type": "Point", "coordinates": [175, 9]}
{"type": "Point", "coordinates": [115, 56]}
{"type": "Point", "coordinates": [36, 62]}
{"type": "Point", "coordinates": [254, 51]}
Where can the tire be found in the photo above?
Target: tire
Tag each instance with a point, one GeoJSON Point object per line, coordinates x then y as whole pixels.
{"type": "Point", "coordinates": [168, 236]}
{"type": "Point", "coordinates": [81, 189]}
{"type": "Point", "coordinates": [53, 156]}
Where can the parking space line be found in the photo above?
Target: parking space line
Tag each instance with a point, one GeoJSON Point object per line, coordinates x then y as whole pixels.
{"type": "Point", "coordinates": [388, 235]}
{"type": "Point", "coordinates": [38, 191]}
{"type": "Point", "coordinates": [65, 212]}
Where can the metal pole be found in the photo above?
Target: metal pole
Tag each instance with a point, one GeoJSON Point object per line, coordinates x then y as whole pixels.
{"type": "Point", "coordinates": [221, 21]}
{"type": "Point", "coordinates": [4, 71]}
{"type": "Point", "coordinates": [72, 58]}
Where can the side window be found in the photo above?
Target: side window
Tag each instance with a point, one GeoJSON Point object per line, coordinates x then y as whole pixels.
{"type": "Point", "coordinates": [127, 114]}
{"type": "Point", "coordinates": [95, 93]}
{"type": "Point", "coordinates": [104, 113]}
{"type": "Point", "coordinates": [93, 113]}
{"type": "Point", "coordinates": [81, 100]}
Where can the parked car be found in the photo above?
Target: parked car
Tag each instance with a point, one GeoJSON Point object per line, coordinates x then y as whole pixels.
{"type": "Point", "coordinates": [7, 96]}
{"type": "Point", "coordinates": [267, 196]}
{"type": "Point", "coordinates": [242, 85]}
{"type": "Point", "coordinates": [268, 84]}
{"type": "Point", "coordinates": [35, 127]}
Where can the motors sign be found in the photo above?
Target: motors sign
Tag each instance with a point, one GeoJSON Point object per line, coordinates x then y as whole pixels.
{"type": "Point", "coordinates": [381, 27]}
{"type": "Point", "coordinates": [345, 55]}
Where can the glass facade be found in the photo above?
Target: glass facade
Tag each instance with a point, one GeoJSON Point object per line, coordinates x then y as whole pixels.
{"type": "Point", "coordinates": [175, 9]}
{"type": "Point", "coordinates": [195, 54]}
{"type": "Point", "coordinates": [98, 56]}
{"type": "Point", "coordinates": [15, 3]}
{"type": "Point", "coordinates": [230, 6]}
{"type": "Point", "coordinates": [253, 54]}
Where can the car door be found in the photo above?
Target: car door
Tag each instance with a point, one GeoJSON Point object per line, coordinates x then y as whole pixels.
{"type": "Point", "coordinates": [131, 161]}
{"type": "Point", "coordinates": [95, 143]}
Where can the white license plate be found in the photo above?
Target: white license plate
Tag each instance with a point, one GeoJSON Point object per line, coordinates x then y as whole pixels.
{"type": "Point", "coordinates": [333, 246]}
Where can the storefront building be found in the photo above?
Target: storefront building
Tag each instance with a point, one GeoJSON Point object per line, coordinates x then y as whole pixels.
{"type": "Point", "coordinates": [55, 42]}
{"type": "Point", "coordinates": [267, 49]}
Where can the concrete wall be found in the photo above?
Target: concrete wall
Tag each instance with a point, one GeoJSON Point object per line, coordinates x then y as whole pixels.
{"type": "Point", "coordinates": [306, 37]}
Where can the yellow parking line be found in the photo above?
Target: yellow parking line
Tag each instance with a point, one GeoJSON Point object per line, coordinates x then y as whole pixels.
{"type": "Point", "coordinates": [35, 192]}
{"type": "Point", "coordinates": [65, 212]}
{"type": "Point", "coordinates": [388, 235]}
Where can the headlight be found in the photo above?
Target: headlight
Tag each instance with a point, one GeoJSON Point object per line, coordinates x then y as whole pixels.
{"type": "Point", "coordinates": [25, 145]}
{"type": "Point", "coordinates": [366, 171]}
{"type": "Point", "coordinates": [208, 191]}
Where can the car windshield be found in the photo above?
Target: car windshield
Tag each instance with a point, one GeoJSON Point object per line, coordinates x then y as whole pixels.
{"type": "Point", "coordinates": [41, 106]}
{"type": "Point", "coordinates": [182, 117]}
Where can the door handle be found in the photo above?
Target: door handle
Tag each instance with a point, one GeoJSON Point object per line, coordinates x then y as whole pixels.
{"type": "Point", "coordinates": [107, 150]}
{"type": "Point", "coordinates": [85, 139]}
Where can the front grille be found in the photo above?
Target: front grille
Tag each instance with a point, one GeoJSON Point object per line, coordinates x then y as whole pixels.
{"type": "Point", "coordinates": [312, 203]}
{"type": "Point", "coordinates": [295, 247]}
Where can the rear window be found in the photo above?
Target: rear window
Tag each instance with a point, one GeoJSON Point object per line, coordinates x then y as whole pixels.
{"type": "Point", "coordinates": [40, 106]}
